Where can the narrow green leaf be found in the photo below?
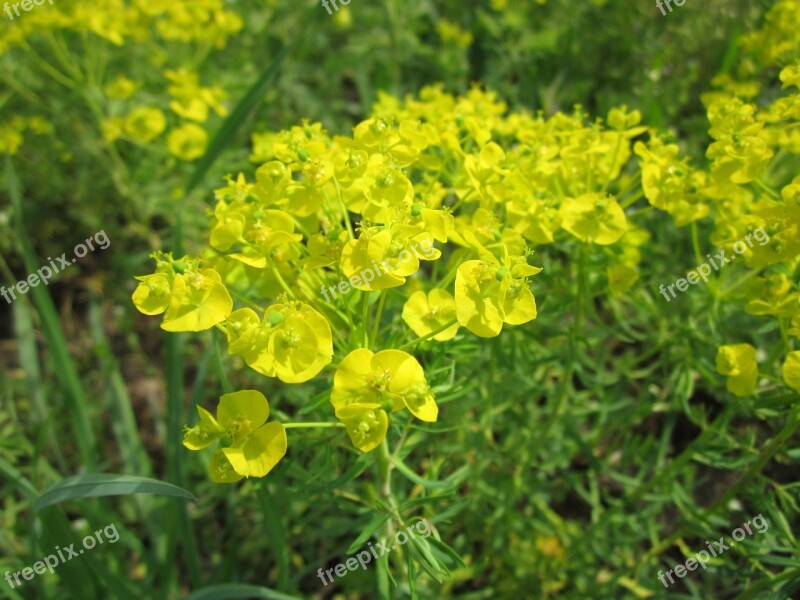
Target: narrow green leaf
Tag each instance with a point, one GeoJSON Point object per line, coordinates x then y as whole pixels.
{"type": "Point", "coordinates": [279, 544]}
{"type": "Point", "coordinates": [237, 117]}
{"type": "Point", "coordinates": [415, 502]}
{"type": "Point", "coordinates": [94, 485]}
{"type": "Point", "coordinates": [56, 530]}
{"type": "Point", "coordinates": [123, 420]}
{"type": "Point", "coordinates": [316, 402]}
{"type": "Point", "coordinates": [371, 528]}
{"type": "Point", "coordinates": [401, 466]}
{"type": "Point", "coordinates": [446, 551]}
{"type": "Point", "coordinates": [29, 356]}
{"type": "Point", "coordinates": [63, 365]}
{"type": "Point", "coordinates": [356, 469]}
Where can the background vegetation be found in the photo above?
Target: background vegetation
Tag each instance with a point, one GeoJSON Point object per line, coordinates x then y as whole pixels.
{"type": "Point", "coordinates": [576, 456]}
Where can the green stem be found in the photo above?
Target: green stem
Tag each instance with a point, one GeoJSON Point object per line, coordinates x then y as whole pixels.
{"type": "Point", "coordinates": [377, 325]}
{"type": "Point", "coordinates": [696, 243]}
{"type": "Point", "coordinates": [365, 319]}
{"type": "Point", "coordinates": [310, 425]}
{"type": "Point", "coordinates": [632, 200]}
{"type": "Point", "coordinates": [766, 189]}
{"type": "Point", "coordinates": [567, 386]}
{"type": "Point", "coordinates": [429, 335]}
{"type": "Point", "coordinates": [345, 212]}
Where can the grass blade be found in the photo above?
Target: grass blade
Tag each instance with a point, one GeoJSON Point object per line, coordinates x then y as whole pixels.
{"type": "Point", "coordinates": [56, 342]}
{"type": "Point", "coordinates": [242, 111]}
{"type": "Point", "coordinates": [123, 420]}
{"type": "Point", "coordinates": [94, 485]}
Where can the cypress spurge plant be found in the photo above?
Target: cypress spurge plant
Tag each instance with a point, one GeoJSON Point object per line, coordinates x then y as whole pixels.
{"type": "Point", "coordinates": [356, 253]}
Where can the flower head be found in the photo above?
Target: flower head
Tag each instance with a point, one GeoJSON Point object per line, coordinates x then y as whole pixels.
{"type": "Point", "coordinates": [249, 446]}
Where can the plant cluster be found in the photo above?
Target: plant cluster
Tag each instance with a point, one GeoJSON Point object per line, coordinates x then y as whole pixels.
{"type": "Point", "coordinates": [491, 188]}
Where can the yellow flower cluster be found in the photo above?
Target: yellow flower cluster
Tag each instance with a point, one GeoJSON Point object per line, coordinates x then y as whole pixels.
{"type": "Point", "coordinates": [751, 143]}
{"type": "Point", "coordinates": [486, 187]}
{"type": "Point", "coordinates": [124, 109]}
{"type": "Point", "coordinates": [188, 100]}
{"type": "Point", "coordinates": [204, 21]}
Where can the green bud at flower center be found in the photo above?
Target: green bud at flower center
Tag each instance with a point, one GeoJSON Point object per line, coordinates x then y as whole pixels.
{"type": "Point", "coordinates": [275, 318]}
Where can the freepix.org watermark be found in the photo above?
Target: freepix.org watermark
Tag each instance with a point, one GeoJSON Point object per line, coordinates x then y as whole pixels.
{"type": "Point", "coordinates": [44, 274]}
{"type": "Point", "coordinates": [660, 5]}
{"type": "Point", "coordinates": [328, 8]}
{"type": "Point", "coordinates": [51, 561]}
{"type": "Point", "coordinates": [704, 270]}
{"type": "Point", "coordinates": [371, 274]}
{"type": "Point", "coordinates": [25, 4]}
{"type": "Point", "coordinates": [362, 559]}
{"type": "Point", "coordinates": [716, 549]}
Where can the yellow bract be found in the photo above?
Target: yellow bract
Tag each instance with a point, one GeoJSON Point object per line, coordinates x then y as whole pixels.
{"type": "Point", "coordinates": [199, 301]}
{"type": "Point", "coordinates": [192, 298]}
{"type": "Point", "coordinates": [426, 313]}
{"type": "Point", "coordinates": [152, 295]}
{"type": "Point", "coordinates": [292, 342]}
{"type": "Point", "coordinates": [489, 294]}
{"type": "Point", "coordinates": [188, 141]}
{"type": "Point", "coordinates": [368, 384]}
{"type": "Point", "coordinates": [738, 363]}
{"type": "Point", "coordinates": [594, 218]}
{"type": "Point", "coordinates": [791, 370]}
{"type": "Point", "coordinates": [366, 425]}
{"type": "Point", "coordinates": [250, 447]}
{"type": "Point", "coordinates": [145, 124]}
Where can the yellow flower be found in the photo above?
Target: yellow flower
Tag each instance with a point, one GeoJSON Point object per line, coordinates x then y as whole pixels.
{"type": "Point", "coordinates": [425, 314]}
{"type": "Point", "coordinates": [112, 129]}
{"type": "Point", "coordinates": [365, 425]}
{"type": "Point", "coordinates": [194, 299]}
{"type": "Point", "coordinates": [193, 109]}
{"type": "Point", "coordinates": [795, 328]}
{"type": "Point", "coordinates": [343, 18]}
{"type": "Point", "coordinates": [621, 278]}
{"type": "Point", "coordinates": [380, 192]}
{"type": "Point", "coordinates": [594, 218]}
{"type": "Point", "coordinates": [199, 301]}
{"type": "Point", "coordinates": [145, 124]}
{"type": "Point", "coordinates": [251, 447]}
{"type": "Point", "coordinates": [449, 32]}
{"type": "Point", "coordinates": [386, 258]}
{"type": "Point", "coordinates": [791, 370]}
{"type": "Point", "coordinates": [389, 380]}
{"type": "Point", "coordinates": [121, 88]}
{"type": "Point", "coordinates": [790, 76]}
{"type": "Point", "coordinates": [188, 141]}
{"type": "Point", "coordinates": [10, 139]}
{"type": "Point", "coordinates": [537, 219]}
{"type": "Point", "coordinates": [152, 294]}
{"type": "Point", "coordinates": [738, 363]}
{"type": "Point", "coordinates": [488, 295]}
{"type": "Point", "coordinates": [293, 342]}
